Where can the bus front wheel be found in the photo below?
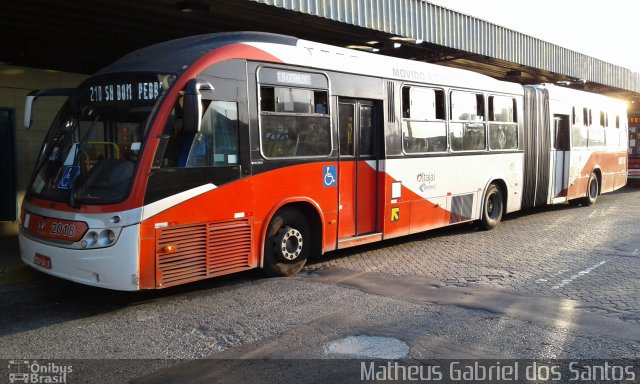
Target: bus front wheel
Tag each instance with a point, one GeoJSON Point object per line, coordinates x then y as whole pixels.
{"type": "Point", "coordinates": [492, 207]}
{"type": "Point", "coordinates": [287, 243]}
{"type": "Point", "coordinates": [592, 190]}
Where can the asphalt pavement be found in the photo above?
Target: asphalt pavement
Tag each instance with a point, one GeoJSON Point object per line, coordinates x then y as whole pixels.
{"type": "Point", "coordinates": [454, 293]}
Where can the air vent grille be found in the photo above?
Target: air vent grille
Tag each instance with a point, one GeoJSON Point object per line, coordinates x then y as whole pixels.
{"type": "Point", "coordinates": [192, 252]}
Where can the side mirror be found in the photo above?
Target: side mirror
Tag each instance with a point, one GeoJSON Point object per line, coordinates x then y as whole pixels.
{"type": "Point", "coordinates": [192, 105]}
{"type": "Point", "coordinates": [31, 99]}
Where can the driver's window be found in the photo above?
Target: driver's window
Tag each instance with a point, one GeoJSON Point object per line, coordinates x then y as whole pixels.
{"type": "Point", "coordinates": [215, 145]}
{"type": "Point", "coordinates": [217, 142]}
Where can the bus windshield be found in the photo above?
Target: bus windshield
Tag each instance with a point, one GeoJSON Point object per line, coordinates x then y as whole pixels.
{"type": "Point", "coordinates": [92, 148]}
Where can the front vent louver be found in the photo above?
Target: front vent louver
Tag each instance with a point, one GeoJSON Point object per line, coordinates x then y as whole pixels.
{"type": "Point", "coordinates": [201, 251]}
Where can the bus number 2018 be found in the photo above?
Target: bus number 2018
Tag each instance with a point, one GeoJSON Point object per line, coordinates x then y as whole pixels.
{"type": "Point", "coordinates": [59, 229]}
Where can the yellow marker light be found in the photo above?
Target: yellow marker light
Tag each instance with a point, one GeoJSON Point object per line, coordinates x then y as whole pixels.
{"type": "Point", "coordinates": [169, 248]}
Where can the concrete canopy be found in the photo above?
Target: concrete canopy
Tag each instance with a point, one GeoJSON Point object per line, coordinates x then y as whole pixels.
{"type": "Point", "coordinates": [83, 36]}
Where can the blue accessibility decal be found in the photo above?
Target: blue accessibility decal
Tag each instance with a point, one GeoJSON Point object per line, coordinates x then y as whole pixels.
{"type": "Point", "coordinates": [68, 176]}
{"type": "Point", "coordinates": [329, 175]}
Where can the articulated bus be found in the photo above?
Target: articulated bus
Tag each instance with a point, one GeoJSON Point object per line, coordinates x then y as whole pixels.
{"type": "Point", "coordinates": [220, 153]}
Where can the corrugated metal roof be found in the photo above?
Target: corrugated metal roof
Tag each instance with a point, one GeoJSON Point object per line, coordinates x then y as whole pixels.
{"type": "Point", "coordinates": [420, 20]}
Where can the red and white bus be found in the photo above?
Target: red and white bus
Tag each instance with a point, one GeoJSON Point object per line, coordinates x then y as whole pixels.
{"type": "Point", "coordinates": [219, 153]}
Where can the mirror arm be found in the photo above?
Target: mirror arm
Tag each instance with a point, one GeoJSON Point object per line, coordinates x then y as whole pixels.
{"type": "Point", "coordinates": [33, 95]}
{"type": "Point", "coordinates": [193, 103]}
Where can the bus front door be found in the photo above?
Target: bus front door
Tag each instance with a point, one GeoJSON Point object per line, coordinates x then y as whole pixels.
{"type": "Point", "coordinates": [560, 157]}
{"type": "Point", "coordinates": [358, 174]}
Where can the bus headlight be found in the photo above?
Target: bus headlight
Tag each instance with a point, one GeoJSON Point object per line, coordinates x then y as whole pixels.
{"type": "Point", "coordinates": [99, 238]}
{"type": "Point", "coordinates": [106, 237]}
{"type": "Point", "coordinates": [90, 239]}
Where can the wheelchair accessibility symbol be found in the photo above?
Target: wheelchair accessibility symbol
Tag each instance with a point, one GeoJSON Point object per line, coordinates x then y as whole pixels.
{"type": "Point", "coordinates": [68, 176]}
{"type": "Point", "coordinates": [329, 176]}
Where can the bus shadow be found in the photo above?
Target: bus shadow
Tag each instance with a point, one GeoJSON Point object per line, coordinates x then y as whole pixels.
{"type": "Point", "coordinates": [455, 230]}
{"type": "Point", "coordinates": [48, 300]}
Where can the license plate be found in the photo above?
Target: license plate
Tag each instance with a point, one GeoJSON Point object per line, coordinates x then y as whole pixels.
{"type": "Point", "coordinates": [43, 261]}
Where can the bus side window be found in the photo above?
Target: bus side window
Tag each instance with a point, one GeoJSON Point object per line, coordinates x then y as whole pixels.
{"type": "Point", "coordinates": [294, 122]}
{"type": "Point", "coordinates": [217, 142]}
{"type": "Point", "coordinates": [467, 129]}
{"type": "Point", "coordinates": [423, 120]}
{"type": "Point", "coordinates": [579, 129]}
{"type": "Point", "coordinates": [596, 130]}
{"type": "Point", "coordinates": [320, 101]}
{"type": "Point", "coordinates": [503, 127]}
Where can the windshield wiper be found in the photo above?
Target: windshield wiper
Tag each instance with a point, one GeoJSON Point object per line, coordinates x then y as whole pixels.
{"type": "Point", "coordinates": [76, 159]}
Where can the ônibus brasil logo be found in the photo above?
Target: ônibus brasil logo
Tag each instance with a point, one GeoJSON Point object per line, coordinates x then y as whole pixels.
{"type": "Point", "coordinates": [25, 371]}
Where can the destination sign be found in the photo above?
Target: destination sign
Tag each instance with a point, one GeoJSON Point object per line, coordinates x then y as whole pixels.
{"type": "Point", "coordinates": [294, 78]}
{"type": "Point", "coordinates": [145, 90]}
{"type": "Point", "coordinates": [300, 79]}
{"type": "Point", "coordinates": [125, 92]}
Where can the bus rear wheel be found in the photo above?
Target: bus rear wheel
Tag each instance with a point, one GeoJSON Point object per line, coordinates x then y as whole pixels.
{"type": "Point", "coordinates": [492, 207]}
{"type": "Point", "coordinates": [592, 191]}
{"type": "Point", "coordinates": [287, 243]}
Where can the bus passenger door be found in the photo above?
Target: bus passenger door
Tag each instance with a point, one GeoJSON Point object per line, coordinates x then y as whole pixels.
{"type": "Point", "coordinates": [560, 157]}
{"type": "Point", "coordinates": [358, 174]}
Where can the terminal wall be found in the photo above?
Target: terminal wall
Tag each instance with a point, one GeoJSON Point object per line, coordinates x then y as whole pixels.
{"type": "Point", "coordinates": [15, 83]}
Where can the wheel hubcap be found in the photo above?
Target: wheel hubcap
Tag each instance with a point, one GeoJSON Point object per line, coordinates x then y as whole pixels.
{"type": "Point", "coordinates": [493, 206]}
{"type": "Point", "coordinates": [593, 189]}
{"type": "Point", "coordinates": [289, 243]}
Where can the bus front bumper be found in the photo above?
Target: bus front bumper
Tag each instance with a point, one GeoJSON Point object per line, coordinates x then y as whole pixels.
{"type": "Point", "coordinates": [114, 267]}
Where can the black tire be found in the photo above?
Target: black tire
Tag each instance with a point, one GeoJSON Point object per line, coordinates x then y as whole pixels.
{"type": "Point", "coordinates": [592, 191]}
{"type": "Point", "coordinates": [287, 243]}
{"type": "Point", "coordinates": [492, 208]}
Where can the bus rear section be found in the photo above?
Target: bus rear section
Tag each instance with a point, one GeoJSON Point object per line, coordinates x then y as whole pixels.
{"type": "Point", "coordinates": [576, 146]}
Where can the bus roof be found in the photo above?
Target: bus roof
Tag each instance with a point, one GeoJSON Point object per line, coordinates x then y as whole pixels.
{"type": "Point", "coordinates": [582, 98]}
{"type": "Point", "coordinates": [176, 56]}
